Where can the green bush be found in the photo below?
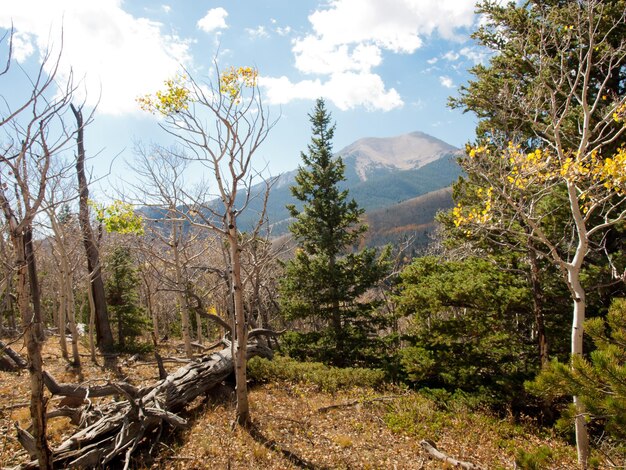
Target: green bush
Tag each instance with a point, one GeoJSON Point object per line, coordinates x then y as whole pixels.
{"type": "Point", "coordinates": [537, 459]}
{"type": "Point", "coordinates": [326, 378]}
{"type": "Point", "coordinates": [598, 380]}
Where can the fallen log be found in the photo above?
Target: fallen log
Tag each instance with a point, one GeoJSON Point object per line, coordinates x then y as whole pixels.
{"type": "Point", "coordinates": [19, 361]}
{"type": "Point", "coordinates": [114, 430]}
{"type": "Point", "coordinates": [324, 409]}
{"type": "Point", "coordinates": [432, 450]}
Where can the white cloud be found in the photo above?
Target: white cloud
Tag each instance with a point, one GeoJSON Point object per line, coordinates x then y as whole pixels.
{"type": "Point", "coordinates": [432, 61]}
{"type": "Point", "coordinates": [283, 31]}
{"type": "Point", "coordinates": [166, 8]}
{"type": "Point", "coordinates": [319, 57]}
{"type": "Point", "coordinates": [213, 20]}
{"type": "Point", "coordinates": [345, 90]}
{"type": "Point", "coordinates": [258, 32]}
{"type": "Point", "coordinates": [22, 46]}
{"type": "Point", "coordinates": [446, 81]}
{"type": "Point", "coordinates": [349, 39]}
{"type": "Point", "coordinates": [477, 56]}
{"type": "Point", "coordinates": [396, 25]}
{"type": "Point", "coordinates": [451, 56]}
{"type": "Point", "coordinates": [116, 55]}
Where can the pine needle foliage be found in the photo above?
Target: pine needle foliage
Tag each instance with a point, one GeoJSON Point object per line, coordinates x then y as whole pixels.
{"type": "Point", "coordinates": [326, 282]}
{"type": "Point", "coordinates": [600, 379]}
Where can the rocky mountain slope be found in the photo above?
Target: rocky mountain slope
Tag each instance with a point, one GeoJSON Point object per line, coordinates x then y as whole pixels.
{"type": "Point", "coordinates": [380, 174]}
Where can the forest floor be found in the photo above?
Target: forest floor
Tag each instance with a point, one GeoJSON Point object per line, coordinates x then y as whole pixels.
{"type": "Point", "coordinates": [362, 429]}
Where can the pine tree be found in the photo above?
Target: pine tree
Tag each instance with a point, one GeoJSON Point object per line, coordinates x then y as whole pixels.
{"type": "Point", "coordinates": [122, 295]}
{"type": "Point", "coordinates": [599, 380]}
{"type": "Point", "coordinates": [325, 280]}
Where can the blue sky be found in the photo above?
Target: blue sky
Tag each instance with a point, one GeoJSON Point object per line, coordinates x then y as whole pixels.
{"type": "Point", "coordinates": [385, 67]}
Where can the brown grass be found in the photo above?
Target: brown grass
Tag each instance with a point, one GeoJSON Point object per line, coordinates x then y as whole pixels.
{"type": "Point", "coordinates": [290, 432]}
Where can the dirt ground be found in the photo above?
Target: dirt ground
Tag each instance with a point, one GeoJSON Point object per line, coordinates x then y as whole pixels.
{"type": "Point", "coordinates": [291, 427]}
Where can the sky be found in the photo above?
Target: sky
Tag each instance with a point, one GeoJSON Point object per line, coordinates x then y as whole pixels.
{"type": "Point", "coordinates": [384, 67]}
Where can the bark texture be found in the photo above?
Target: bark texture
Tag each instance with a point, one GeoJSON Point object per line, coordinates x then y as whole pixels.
{"type": "Point", "coordinates": [103, 328]}
{"type": "Point", "coordinates": [111, 433]}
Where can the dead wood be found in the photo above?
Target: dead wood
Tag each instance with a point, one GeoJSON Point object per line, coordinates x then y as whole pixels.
{"type": "Point", "coordinates": [7, 365]}
{"type": "Point", "coordinates": [432, 450]}
{"type": "Point", "coordinates": [15, 406]}
{"type": "Point", "coordinates": [113, 431]}
{"type": "Point", "coordinates": [324, 409]}
{"type": "Point", "coordinates": [19, 361]}
{"type": "Point", "coordinates": [176, 360]}
{"type": "Point", "coordinates": [27, 441]}
{"type": "Point", "coordinates": [159, 359]}
{"type": "Point", "coordinates": [202, 347]}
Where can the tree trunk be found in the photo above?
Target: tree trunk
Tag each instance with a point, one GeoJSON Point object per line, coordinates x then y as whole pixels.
{"type": "Point", "coordinates": [96, 285]}
{"type": "Point", "coordinates": [182, 304]}
{"type": "Point", "coordinates": [580, 424]}
{"type": "Point", "coordinates": [61, 320]}
{"type": "Point", "coordinates": [33, 337]}
{"type": "Point", "coordinates": [578, 319]}
{"type": "Point", "coordinates": [241, 328]}
{"type": "Point", "coordinates": [151, 311]}
{"type": "Point", "coordinates": [92, 325]}
{"type": "Point", "coordinates": [27, 283]}
{"type": "Point", "coordinates": [199, 328]}
{"type": "Point", "coordinates": [71, 317]}
{"type": "Point", "coordinates": [115, 429]}
{"type": "Point", "coordinates": [535, 281]}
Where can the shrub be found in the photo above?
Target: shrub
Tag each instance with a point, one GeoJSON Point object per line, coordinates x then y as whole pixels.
{"type": "Point", "coordinates": [326, 378]}
{"type": "Point", "coordinates": [537, 459]}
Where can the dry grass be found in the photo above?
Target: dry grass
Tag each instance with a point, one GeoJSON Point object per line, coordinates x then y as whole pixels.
{"type": "Point", "coordinates": [290, 432]}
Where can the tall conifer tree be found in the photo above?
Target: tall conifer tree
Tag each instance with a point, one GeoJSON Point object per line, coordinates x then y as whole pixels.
{"type": "Point", "coordinates": [325, 280]}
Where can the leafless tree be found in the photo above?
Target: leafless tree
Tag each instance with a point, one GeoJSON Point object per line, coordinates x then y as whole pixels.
{"type": "Point", "coordinates": [96, 286]}
{"type": "Point", "coordinates": [171, 245]}
{"type": "Point", "coordinates": [64, 245]}
{"type": "Point", "coordinates": [219, 131]}
{"type": "Point", "coordinates": [33, 134]}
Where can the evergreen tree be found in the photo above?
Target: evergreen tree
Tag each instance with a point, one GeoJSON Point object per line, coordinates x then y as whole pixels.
{"type": "Point", "coordinates": [468, 328]}
{"type": "Point", "coordinates": [551, 105]}
{"type": "Point", "coordinates": [122, 294]}
{"type": "Point", "coordinates": [325, 282]}
{"type": "Point", "coordinates": [599, 380]}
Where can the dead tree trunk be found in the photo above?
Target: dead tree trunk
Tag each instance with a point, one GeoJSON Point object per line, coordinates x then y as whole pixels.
{"type": "Point", "coordinates": [113, 431]}
{"type": "Point", "coordinates": [103, 328]}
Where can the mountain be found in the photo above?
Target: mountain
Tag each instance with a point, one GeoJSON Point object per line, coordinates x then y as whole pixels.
{"type": "Point", "coordinates": [380, 173]}
{"type": "Point", "coordinates": [369, 157]}
{"type": "Point", "coordinates": [411, 221]}
{"type": "Point", "coordinates": [400, 181]}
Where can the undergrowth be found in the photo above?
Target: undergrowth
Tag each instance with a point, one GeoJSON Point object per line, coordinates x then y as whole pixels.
{"type": "Point", "coordinates": [326, 378]}
{"type": "Point", "coordinates": [438, 415]}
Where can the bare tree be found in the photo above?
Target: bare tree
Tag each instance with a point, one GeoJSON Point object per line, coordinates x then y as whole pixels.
{"type": "Point", "coordinates": [64, 249]}
{"type": "Point", "coordinates": [172, 244]}
{"type": "Point", "coordinates": [33, 134]}
{"type": "Point", "coordinates": [220, 126]}
{"type": "Point", "coordinates": [7, 296]}
{"type": "Point", "coordinates": [96, 285]}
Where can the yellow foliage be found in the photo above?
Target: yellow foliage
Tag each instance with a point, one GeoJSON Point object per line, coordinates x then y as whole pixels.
{"type": "Point", "coordinates": [173, 99]}
{"type": "Point", "coordinates": [620, 113]}
{"type": "Point", "coordinates": [479, 215]}
{"type": "Point", "coordinates": [118, 217]}
{"type": "Point", "coordinates": [523, 171]}
{"type": "Point", "coordinates": [234, 79]}
{"type": "Point", "coordinates": [612, 172]}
